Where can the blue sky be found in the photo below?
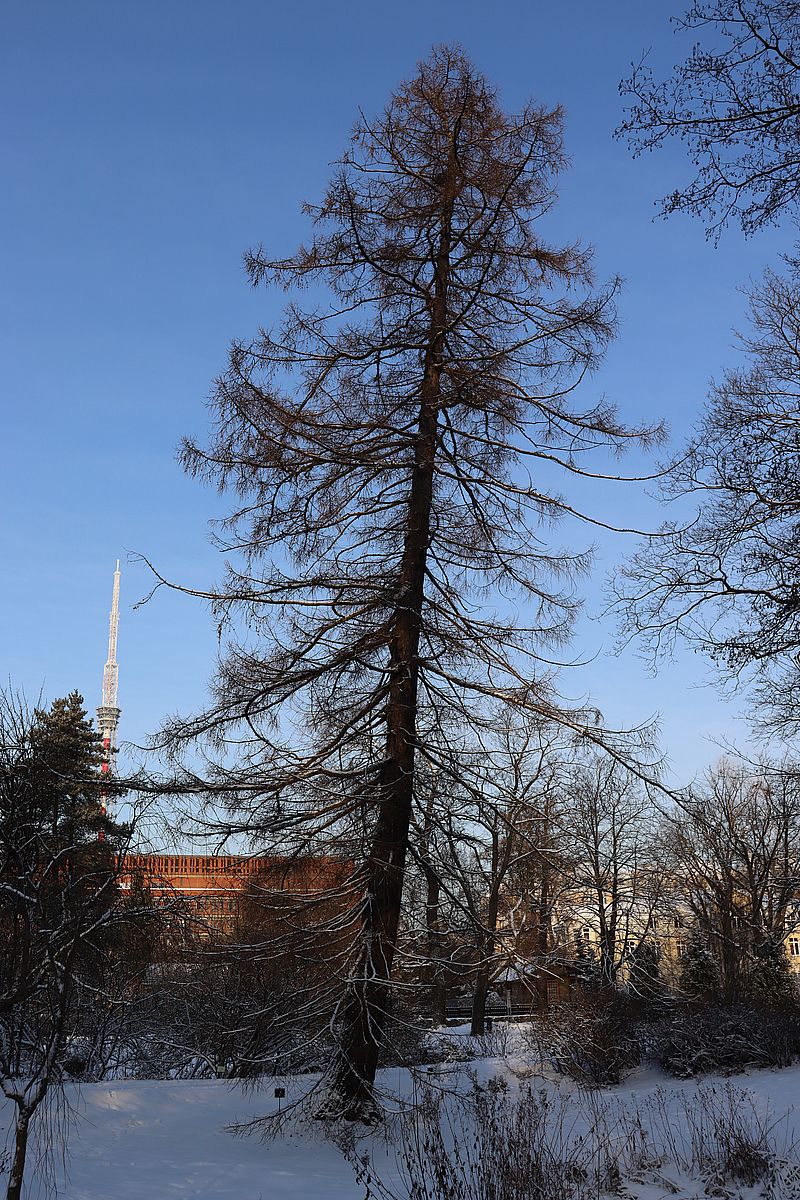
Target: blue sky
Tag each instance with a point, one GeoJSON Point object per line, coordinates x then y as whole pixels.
{"type": "Point", "coordinates": [145, 146]}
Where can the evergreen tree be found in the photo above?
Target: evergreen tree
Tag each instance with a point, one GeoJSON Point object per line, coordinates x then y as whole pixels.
{"type": "Point", "coordinates": [770, 982]}
{"type": "Point", "coordinates": [700, 978]}
{"type": "Point", "coordinates": [67, 785]}
{"type": "Point", "coordinates": [57, 897]}
{"type": "Point", "coordinates": [645, 984]}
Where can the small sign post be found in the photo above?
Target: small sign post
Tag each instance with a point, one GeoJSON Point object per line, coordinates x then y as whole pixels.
{"type": "Point", "coordinates": [279, 1095]}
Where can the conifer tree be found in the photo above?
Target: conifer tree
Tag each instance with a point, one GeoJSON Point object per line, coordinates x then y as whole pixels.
{"type": "Point", "coordinates": [66, 752]}
{"type": "Point", "coordinates": [770, 982]}
{"type": "Point", "coordinates": [394, 448]}
{"type": "Point", "coordinates": [700, 977]}
{"type": "Point", "coordinates": [644, 974]}
{"type": "Point", "coordinates": [57, 896]}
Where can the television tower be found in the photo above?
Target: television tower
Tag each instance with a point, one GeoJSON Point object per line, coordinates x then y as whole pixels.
{"type": "Point", "coordinates": [108, 713]}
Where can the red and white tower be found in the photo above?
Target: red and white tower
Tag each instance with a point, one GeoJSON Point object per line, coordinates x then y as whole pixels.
{"type": "Point", "coordinates": [108, 713]}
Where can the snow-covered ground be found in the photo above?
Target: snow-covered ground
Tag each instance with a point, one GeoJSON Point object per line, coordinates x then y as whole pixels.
{"type": "Point", "coordinates": [172, 1141]}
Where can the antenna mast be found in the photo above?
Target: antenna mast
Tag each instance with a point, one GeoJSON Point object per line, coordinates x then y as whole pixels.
{"type": "Point", "coordinates": [108, 713]}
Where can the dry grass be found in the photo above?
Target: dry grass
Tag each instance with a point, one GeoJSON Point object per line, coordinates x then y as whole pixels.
{"type": "Point", "coordinates": [498, 1143]}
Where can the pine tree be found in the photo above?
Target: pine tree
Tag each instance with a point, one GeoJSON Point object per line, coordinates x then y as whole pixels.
{"type": "Point", "coordinates": [66, 781]}
{"type": "Point", "coordinates": [645, 984]}
{"type": "Point", "coordinates": [700, 978]}
{"type": "Point", "coordinates": [57, 896]}
{"type": "Point", "coordinates": [770, 982]}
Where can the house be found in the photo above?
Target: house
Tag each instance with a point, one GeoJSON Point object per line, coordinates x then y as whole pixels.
{"type": "Point", "coordinates": [529, 990]}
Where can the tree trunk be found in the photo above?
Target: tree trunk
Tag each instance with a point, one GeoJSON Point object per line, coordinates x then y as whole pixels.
{"type": "Point", "coordinates": [543, 917]}
{"type": "Point", "coordinates": [366, 1004]}
{"type": "Point", "coordinates": [478, 1023]}
{"type": "Point", "coordinates": [729, 953]}
{"type": "Point", "coordinates": [437, 993]}
{"type": "Point", "coordinates": [22, 1126]}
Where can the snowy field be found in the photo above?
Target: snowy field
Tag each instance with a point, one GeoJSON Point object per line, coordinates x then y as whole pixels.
{"type": "Point", "coordinates": [161, 1140]}
{"type": "Point", "coordinates": [171, 1140]}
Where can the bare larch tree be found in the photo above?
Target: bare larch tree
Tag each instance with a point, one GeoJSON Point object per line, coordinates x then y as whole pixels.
{"type": "Point", "coordinates": [396, 446]}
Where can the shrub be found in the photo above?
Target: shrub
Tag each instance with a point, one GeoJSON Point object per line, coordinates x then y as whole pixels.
{"type": "Point", "coordinates": [489, 1145]}
{"type": "Point", "coordinates": [592, 1040]}
{"type": "Point", "coordinates": [725, 1040]}
{"type": "Point", "coordinates": [407, 1043]}
{"type": "Point", "coordinates": [722, 1136]}
{"type": "Point", "coordinates": [493, 1143]}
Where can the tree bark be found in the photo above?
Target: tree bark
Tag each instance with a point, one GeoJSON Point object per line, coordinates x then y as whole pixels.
{"type": "Point", "coordinates": [478, 1023]}
{"type": "Point", "coordinates": [21, 1129]}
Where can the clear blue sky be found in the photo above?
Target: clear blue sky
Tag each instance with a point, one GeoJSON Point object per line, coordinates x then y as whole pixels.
{"type": "Point", "coordinates": [144, 147]}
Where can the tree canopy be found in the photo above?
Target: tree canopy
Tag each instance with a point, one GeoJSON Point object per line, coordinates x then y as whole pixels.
{"type": "Point", "coordinates": [734, 103]}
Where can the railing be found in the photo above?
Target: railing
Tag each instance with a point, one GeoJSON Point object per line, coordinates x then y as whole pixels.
{"type": "Point", "coordinates": [461, 1009]}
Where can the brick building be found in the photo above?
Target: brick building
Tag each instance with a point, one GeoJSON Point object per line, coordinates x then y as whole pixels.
{"type": "Point", "coordinates": [213, 892]}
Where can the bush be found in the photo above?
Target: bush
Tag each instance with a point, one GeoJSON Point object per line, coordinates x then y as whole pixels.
{"type": "Point", "coordinates": [593, 1039]}
{"type": "Point", "coordinates": [489, 1145]}
{"type": "Point", "coordinates": [721, 1137]}
{"type": "Point", "coordinates": [724, 1040]}
{"type": "Point", "coordinates": [407, 1043]}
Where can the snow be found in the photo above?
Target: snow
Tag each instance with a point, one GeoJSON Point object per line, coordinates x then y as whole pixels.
{"type": "Point", "coordinates": [159, 1139]}
{"type": "Point", "coordinates": [171, 1140]}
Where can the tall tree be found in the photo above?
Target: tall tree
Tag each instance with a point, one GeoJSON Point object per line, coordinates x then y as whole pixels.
{"type": "Point", "coordinates": [734, 103]}
{"type": "Point", "coordinates": [489, 842]}
{"type": "Point", "coordinates": [395, 447]}
{"type": "Point", "coordinates": [608, 825]}
{"type": "Point", "coordinates": [729, 580]}
{"type": "Point", "coordinates": [57, 890]}
{"type": "Point", "coordinates": [67, 755]}
{"type": "Point", "coordinates": [736, 855]}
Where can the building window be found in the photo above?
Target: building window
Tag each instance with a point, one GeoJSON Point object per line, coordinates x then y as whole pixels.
{"type": "Point", "coordinates": [552, 992]}
{"type": "Point", "coordinates": [680, 948]}
{"type": "Point", "coordinates": [794, 946]}
{"type": "Point", "coordinates": [583, 940]}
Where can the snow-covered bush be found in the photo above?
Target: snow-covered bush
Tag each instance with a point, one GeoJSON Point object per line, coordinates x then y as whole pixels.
{"type": "Point", "coordinates": [407, 1043]}
{"type": "Point", "coordinates": [593, 1039]}
{"type": "Point", "coordinates": [718, 1135]}
{"type": "Point", "coordinates": [724, 1040]}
